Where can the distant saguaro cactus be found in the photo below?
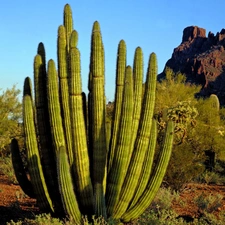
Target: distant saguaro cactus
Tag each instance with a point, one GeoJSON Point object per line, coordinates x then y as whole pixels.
{"type": "Point", "coordinates": [77, 166]}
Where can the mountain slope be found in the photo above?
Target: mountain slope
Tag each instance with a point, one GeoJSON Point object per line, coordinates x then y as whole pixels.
{"type": "Point", "coordinates": [202, 60]}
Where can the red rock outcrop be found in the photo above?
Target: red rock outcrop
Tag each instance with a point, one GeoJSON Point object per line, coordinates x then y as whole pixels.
{"type": "Point", "coordinates": [202, 59]}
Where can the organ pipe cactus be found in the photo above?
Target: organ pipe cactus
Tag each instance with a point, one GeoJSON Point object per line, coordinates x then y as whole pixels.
{"type": "Point", "coordinates": [77, 166]}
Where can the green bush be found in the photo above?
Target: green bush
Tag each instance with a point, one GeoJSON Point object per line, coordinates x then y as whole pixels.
{"type": "Point", "coordinates": [185, 165]}
{"type": "Point", "coordinates": [208, 203]}
{"type": "Point", "coordinates": [164, 199]}
{"type": "Point", "coordinates": [6, 169]}
{"type": "Point", "coordinates": [47, 219]}
{"type": "Point", "coordinates": [209, 177]}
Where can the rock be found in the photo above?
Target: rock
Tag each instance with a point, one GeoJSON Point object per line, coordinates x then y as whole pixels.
{"type": "Point", "coordinates": [192, 32]}
{"type": "Point", "coordinates": [202, 60]}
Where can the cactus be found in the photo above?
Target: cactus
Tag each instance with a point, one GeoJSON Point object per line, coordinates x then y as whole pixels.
{"type": "Point", "coordinates": [120, 73]}
{"type": "Point", "coordinates": [19, 169]}
{"type": "Point", "coordinates": [141, 142]}
{"type": "Point", "coordinates": [102, 168]}
{"type": "Point", "coordinates": [215, 108]}
{"type": "Point", "coordinates": [215, 101]}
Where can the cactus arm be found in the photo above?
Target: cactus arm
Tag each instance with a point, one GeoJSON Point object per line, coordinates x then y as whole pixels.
{"type": "Point", "coordinates": [73, 39]}
{"type": "Point", "coordinates": [215, 101]}
{"type": "Point", "coordinates": [120, 73]}
{"type": "Point", "coordinates": [41, 109]}
{"type": "Point", "coordinates": [123, 152]}
{"type": "Point", "coordinates": [156, 177]}
{"type": "Point", "coordinates": [63, 74]}
{"type": "Point", "coordinates": [19, 170]}
{"type": "Point", "coordinates": [141, 142]}
{"type": "Point", "coordinates": [81, 159]}
{"type": "Point", "coordinates": [41, 100]}
{"type": "Point", "coordinates": [147, 165]}
{"type": "Point", "coordinates": [98, 130]}
{"type": "Point", "coordinates": [66, 188]}
{"type": "Point", "coordinates": [138, 82]}
{"type": "Point", "coordinates": [43, 127]}
{"type": "Point", "coordinates": [68, 24]}
{"type": "Point", "coordinates": [33, 157]}
{"type": "Point", "coordinates": [41, 52]}
{"type": "Point", "coordinates": [54, 107]}
{"type": "Point", "coordinates": [27, 88]}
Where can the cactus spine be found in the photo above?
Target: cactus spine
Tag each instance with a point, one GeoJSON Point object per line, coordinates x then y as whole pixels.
{"type": "Point", "coordinates": [102, 169]}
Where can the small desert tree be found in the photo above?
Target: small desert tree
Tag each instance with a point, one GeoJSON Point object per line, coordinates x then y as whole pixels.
{"type": "Point", "coordinates": [10, 117]}
{"type": "Point", "coordinates": [176, 100]}
{"type": "Point", "coordinates": [210, 129]}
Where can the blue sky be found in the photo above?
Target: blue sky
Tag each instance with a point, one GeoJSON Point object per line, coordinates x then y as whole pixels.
{"type": "Point", "coordinates": [155, 27]}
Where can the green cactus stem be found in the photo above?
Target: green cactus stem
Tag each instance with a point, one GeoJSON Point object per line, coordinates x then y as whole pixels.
{"type": "Point", "coordinates": [68, 24]}
{"type": "Point", "coordinates": [33, 158]}
{"type": "Point", "coordinates": [147, 165]}
{"type": "Point", "coordinates": [57, 132]}
{"type": "Point", "coordinates": [156, 177]}
{"type": "Point", "coordinates": [141, 142]}
{"type": "Point", "coordinates": [120, 74]}
{"type": "Point", "coordinates": [63, 74]}
{"type": "Point", "coordinates": [43, 127]}
{"type": "Point", "coordinates": [138, 72]}
{"type": "Point", "coordinates": [19, 170]}
{"type": "Point", "coordinates": [73, 39]}
{"type": "Point", "coordinates": [66, 188]}
{"type": "Point", "coordinates": [81, 164]}
{"type": "Point", "coordinates": [122, 152]}
{"type": "Point", "coordinates": [97, 114]}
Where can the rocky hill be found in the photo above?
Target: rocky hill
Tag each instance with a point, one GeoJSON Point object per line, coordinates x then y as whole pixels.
{"type": "Point", "coordinates": [202, 59]}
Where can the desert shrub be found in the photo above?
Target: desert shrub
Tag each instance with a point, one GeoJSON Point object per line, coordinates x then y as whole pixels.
{"type": "Point", "coordinates": [6, 168]}
{"type": "Point", "coordinates": [10, 118]}
{"type": "Point", "coordinates": [209, 218]}
{"type": "Point", "coordinates": [43, 219]}
{"type": "Point", "coordinates": [164, 199]}
{"type": "Point", "coordinates": [216, 176]}
{"type": "Point", "coordinates": [220, 167]}
{"type": "Point", "coordinates": [47, 219]}
{"type": "Point", "coordinates": [211, 177]}
{"type": "Point", "coordinates": [160, 210]}
{"type": "Point", "coordinates": [208, 203]}
{"type": "Point", "coordinates": [185, 165]}
{"type": "Point", "coordinates": [160, 217]}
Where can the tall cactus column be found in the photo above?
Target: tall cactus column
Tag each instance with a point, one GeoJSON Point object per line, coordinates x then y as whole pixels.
{"type": "Point", "coordinates": [122, 152]}
{"type": "Point", "coordinates": [33, 158]}
{"type": "Point", "coordinates": [141, 141]}
{"type": "Point", "coordinates": [156, 177]}
{"type": "Point", "coordinates": [97, 118]}
{"type": "Point", "coordinates": [63, 74]}
{"type": "Point", "coordinates": [81, 164]}
{"type": "Point", "coordinates": [120, 74]}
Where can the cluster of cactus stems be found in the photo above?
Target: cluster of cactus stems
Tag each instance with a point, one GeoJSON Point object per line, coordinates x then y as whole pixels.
{"type": "Point", "coordinates": [78, 163]}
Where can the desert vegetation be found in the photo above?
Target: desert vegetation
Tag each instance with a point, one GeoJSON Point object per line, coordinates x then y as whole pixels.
{"type": "Point", "coordinates": [125, 162]}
